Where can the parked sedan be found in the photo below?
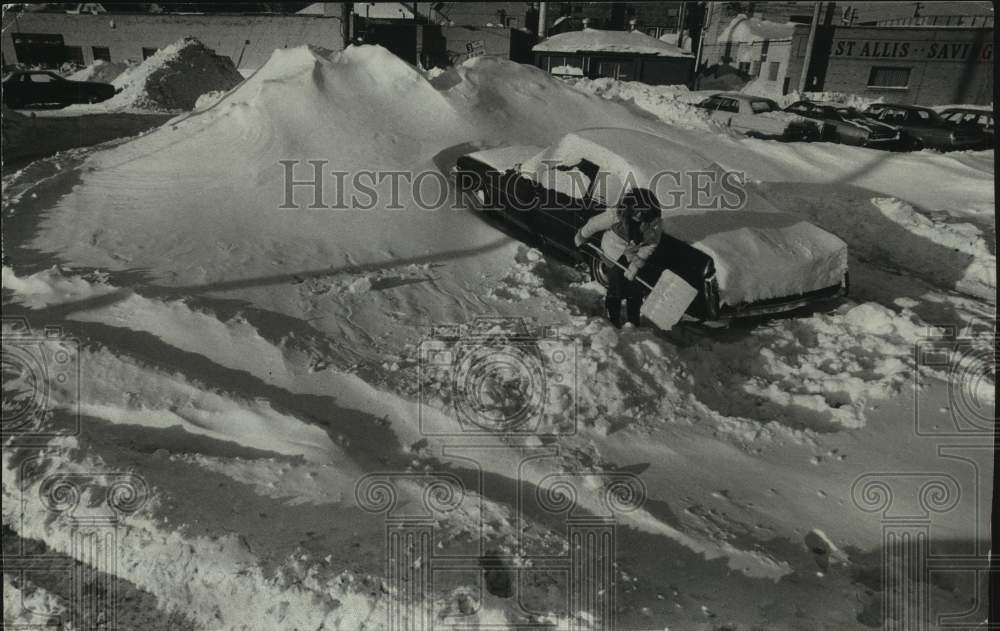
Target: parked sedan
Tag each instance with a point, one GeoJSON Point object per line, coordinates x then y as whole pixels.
{"type": "Point", "coordinates": [758, 117]}
{"type": "Point", "coordinates": [983, 119]}
{"type": "Point", "coordinates": [37, 87]}
{"type": "Point", "coordinates": [847, 125]}
{"type": "Point", "coordinates": [927, 129]}
{"type": "Point", "coordinates": [744, 259]}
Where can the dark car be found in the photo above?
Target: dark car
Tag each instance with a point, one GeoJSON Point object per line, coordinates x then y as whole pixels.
{"type": "Point", "coordinates": [845, 124]}
{"type": "Point", "coordinates": [745, 261]}
{"type": "Point", "coordinates": [40, 87]}
{"type": "Point", "coordinates": [927, 129]}
{"type": "Point", "coordinates": [983, 119]}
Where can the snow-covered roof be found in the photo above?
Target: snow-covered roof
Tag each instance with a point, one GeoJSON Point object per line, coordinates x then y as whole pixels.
{"type": "Point", "coordinates": [596, 40]}
{"type": "Point", "coordinates": [745, 30]}
{"type": "Point", "coordinates": [671, 38]}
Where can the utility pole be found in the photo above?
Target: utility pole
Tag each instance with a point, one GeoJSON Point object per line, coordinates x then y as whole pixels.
{"type": "Point", "coordinates": [803, 79]}
{"type": "Point", "coordinates": [347, 22]}
{"type": "Point", "coordinates": [543, 9]}
{"type": "Point", "coordinates": [705, 22]}
{"type": "Point", "coordinates": [680, 27]}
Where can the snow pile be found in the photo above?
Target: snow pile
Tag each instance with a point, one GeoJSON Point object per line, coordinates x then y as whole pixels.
{"type": "Point", "coordinates": [172, 79]}
{"type": "Point", "coordinates": [236, 591]}
{"type": "Point", "coordinates": [964, 239]}
{"type": "Point", "coordinates": [950, 252]}
{"type": "Point", "coordinates": [209, 99]}
{"type": "Point", "coordinates": [596, 40]}
{"type": "Point", "coordinates": [27, 606]}
{"type": "Point", "coordinates": [768, 89]}
{"type": "Point", "coordinates": [51, 287]}
{"type": "Point", "coordinates": [574, 71]}
{"type": "Point", "coordinates": [100, 71]}
{"type": "Point", "coordinates": [672, 104]}
{"type": "Point", "coordinates": [671, 38]}
{"type": "Point", "coordinates": [818, 373]}
{"type": "Point", "coordinates": [743, 29]}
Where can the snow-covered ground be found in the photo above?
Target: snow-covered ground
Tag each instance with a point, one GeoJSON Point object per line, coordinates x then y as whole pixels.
{"type": "Point", "coordinates": [249, 368]}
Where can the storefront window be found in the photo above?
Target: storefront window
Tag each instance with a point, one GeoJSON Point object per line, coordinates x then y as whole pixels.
{"type": "Point", "coordinates": [889, 77]}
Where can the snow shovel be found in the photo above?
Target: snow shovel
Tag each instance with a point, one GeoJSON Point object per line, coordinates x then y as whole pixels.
{"type": "Point", "coordinates": [667, 301]}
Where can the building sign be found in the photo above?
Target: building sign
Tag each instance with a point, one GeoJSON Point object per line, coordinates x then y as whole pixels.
{"type": "Point", "coordinates": [919, 50]}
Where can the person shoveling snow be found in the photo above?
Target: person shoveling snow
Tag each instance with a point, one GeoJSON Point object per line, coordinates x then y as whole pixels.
{"type": "Point", "coordinates": [632, 231]}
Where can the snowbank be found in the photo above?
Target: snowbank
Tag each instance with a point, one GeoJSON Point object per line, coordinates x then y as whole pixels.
{"type": "Point", "coordinates": [170, 80]}
{"type": "Point", "coordinates": [743, 29]}
{"type": "Point", "coordinates": [100, 71]}
{"type": "Point", "coordinates": [672, 104]}
{"type": "Point", "coordinates": [596, 40]}
{"type": "Point", "coordinates": [768, 89]}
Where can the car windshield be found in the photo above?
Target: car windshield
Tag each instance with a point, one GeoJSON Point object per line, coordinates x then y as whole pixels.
{"type": "Point", "coordinates": [759, 107]}
{"type": "Point", "coordinates": [927, 116]}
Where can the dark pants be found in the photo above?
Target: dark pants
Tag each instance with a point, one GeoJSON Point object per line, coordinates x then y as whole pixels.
{"type": "Point", "coordinates": [619, 289]}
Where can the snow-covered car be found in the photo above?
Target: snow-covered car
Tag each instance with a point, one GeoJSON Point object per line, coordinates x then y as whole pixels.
{"type": "Point", "coordinates": [983, 119]}
{"type": "Point", "coordinates": [758, 117]}
{"type": "Point", "coordinates": [844, 124]}
{"type": "Point", "coordinates": [745, 258]}
{"type": "Point", "coordinates": [36, 87]}
{"type": "Point", "coordinates": [927, 128]}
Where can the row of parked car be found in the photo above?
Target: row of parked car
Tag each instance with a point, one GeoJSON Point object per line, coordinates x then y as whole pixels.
{"type": "Point", "coordinates": [45, 87]}
{"type": "Point", "coordinates": [880, 125]}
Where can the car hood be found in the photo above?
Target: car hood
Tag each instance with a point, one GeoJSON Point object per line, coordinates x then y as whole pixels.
{"type": "Point", "coordinates": [761, 253]}
{"type": "Point", "coordinates": [870, 125]}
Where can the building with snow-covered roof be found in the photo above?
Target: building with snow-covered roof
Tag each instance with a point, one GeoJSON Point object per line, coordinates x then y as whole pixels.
{"type": "Point", "coordinates": [623, 55]}
{"type": "Point", "coordinates": [929, 64]}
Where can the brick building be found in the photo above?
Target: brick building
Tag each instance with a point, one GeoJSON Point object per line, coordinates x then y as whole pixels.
{"type": "Point", "coordinates": [941, 60]}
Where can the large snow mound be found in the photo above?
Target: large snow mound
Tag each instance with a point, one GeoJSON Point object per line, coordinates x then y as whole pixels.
{"type": "Point", "coordinates": [172, 79]}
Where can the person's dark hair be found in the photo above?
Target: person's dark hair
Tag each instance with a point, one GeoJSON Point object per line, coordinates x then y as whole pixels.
{"type": "Point", "coordinates": [643, 200]}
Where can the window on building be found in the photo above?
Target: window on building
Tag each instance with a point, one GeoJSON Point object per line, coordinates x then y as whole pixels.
{"type": "Point", "coordinates": [148, 52]}
{"type": "Point", "coordinates": [101, 52]}
{"type": "Point", "coordinates": [74, 54]}
{"type": "Point", "coordinates": [772, 70]}
{"type": "Point", "coordinates": [889, 77]}
{"type": "Point", "coordinates": [745, 67]}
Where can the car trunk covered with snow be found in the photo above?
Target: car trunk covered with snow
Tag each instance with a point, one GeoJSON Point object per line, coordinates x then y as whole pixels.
{"type": "Point", "coordinates": [761, 254]}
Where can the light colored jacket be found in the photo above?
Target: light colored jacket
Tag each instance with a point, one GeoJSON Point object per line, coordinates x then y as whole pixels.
{"type": "Point", "coordinates": [615, 241]}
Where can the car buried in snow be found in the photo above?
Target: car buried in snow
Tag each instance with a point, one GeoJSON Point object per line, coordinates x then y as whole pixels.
{"type": "Point", "coordinates": [744, 256]}
{"type": "Point", "coordinates": [927, 129]}
{"type": "Point", "coordinates": [847, 125]}
{"type": "Point", "coordinates": [41, 87]}
{"type": "Point", "coordinates": [758, 117]}
{"type": "Point", "coordinates": [982, 119]}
